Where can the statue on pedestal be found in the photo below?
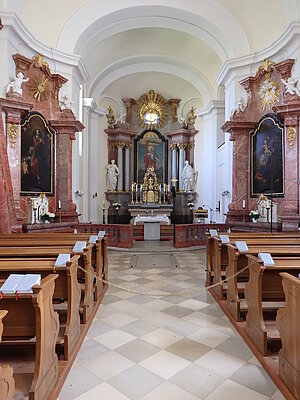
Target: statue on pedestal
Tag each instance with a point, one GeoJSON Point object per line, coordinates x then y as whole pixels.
{"type": "Point", "coordinates": [112, 172]}
{"type": "Point", "coordinates": [189, 178]}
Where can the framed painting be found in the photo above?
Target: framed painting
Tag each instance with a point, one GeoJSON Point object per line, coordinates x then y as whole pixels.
{"type": "Point", "coordinates": [267, 157]}
{"type": "Point", "coordinates": [37, 156]}
{"type": "Point", "coordinates": [150, 150]}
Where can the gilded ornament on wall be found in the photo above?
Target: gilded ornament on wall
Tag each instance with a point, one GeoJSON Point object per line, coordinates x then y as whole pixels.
{"type": "Point", "coordinates": [291, 133]}
{"type": "Point", "coordinates": [269, 93]}
{"type": "Point", "coordinates": [40, 62]}
{"type": "Point", "coordinates": [13, 131]}
{"type": "Point", "coordinates": [39, 87]}
{"type": "Point", "coordinates": [152, 110]}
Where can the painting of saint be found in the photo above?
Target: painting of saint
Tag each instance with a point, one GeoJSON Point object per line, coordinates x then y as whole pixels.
{"type": "Point", "coordinates": [150, 152]}
{"type": "Point", "coordinates": [267, 157]}
{"type": "Point", "coordinates": [37, 156]}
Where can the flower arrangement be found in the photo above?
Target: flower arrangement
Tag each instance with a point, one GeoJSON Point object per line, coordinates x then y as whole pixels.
{"type": "Point", "coordinates": [47, 216]}
{"type": "Point", "coordinates": [117, 205]}
{"type": "Point", "coordinates": [191, 205]}
{"type": "Point", "coordinates": [254, 214]}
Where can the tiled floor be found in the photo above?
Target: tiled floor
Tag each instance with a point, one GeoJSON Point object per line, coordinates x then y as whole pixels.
{"type": "Point", "coordinates": [177, 347]}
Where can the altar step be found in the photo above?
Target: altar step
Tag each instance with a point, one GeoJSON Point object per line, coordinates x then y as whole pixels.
{"type": "Point", "coordinates": [166, 232]}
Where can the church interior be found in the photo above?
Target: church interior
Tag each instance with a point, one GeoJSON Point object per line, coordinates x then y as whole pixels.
{"type": "Point", "coordinates": [149, 200]}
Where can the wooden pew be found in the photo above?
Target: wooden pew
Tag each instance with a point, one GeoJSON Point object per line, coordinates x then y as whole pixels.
{"type": "Point", "coordinates": [66, 297]}
{"type": "Point", "coordinates": [7, 383]}
{"type": "Point", "coordinates": [99, 251]}
{"type": "Point", "coordinates": [264, 295]}
{"type": "Point", "coordinates": [84, 262]}
{"type": "Point", "coordinates": [212, 258]}
{"type": "Point", "coordinates": [32, 317]}
{"type": "Point", "coordinates": [236, 261]}
{"type": "Point", "coordinates": [288, 324]}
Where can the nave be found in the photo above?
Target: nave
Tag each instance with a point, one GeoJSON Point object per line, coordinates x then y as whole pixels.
{"type": "Point", "coordinates": [180, 346]}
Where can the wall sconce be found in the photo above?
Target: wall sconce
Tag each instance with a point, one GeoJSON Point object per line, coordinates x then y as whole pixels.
{"type": "Point", "coordinates": [79, 193]}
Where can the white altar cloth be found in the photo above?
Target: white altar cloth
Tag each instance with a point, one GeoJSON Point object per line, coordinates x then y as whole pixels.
{"type": "Point", "coordinates": [152, 219]}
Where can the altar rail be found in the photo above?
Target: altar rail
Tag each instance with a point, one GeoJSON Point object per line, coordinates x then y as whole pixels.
{"type": "Point", "coordinates": [119, 235]}
{"type": "Point", "coordinates": [187, 235]}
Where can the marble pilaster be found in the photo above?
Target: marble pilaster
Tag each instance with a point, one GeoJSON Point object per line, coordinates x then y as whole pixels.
{"type": "Point", "coordinates": [120, 166]}
{"type": "Point", "coordinates": [182, 157]}
{"type": "Point", "coordinates": [127, 167]}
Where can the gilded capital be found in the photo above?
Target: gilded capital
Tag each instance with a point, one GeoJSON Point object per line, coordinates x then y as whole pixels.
{"type": "Point", "coordinates": [291, 134]}
{"type": "Point", "coordinates": [182, 145]}
{"type": "Point", "coordinates": [173, 146]}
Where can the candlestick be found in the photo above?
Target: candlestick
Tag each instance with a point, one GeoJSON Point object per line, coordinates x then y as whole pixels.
{"type": "Point", "coordinates": [141, 194]}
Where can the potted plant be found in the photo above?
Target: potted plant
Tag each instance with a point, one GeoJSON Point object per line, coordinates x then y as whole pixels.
{"type": "Point", "coordinates": [46, 217]}
{"type": "Point", "coordinates": [254, 215]}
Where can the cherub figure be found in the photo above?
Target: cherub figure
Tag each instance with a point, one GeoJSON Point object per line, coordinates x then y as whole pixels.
{"type": "Point", "coordinates": [16, 84]}
{"type": "Point", "coordinates": [290, 86]}
{"type": "Point", "coordinates": [239, 107]}
{"type": "Point", "coordinates": [65, 103]}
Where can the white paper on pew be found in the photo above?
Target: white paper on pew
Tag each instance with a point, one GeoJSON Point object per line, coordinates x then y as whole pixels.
{"type": "Point", "coordinates": [213, 232]}
{"type": "Point", "coordinates": [75, 231]}
{"type": "Point", "coordinates": [11, 283]}
{"type": "Point", "coordinates": [224, 239]}
{"type": "Point", "coordinates": [29, 280]}
{"type": "Point", "coordinates": [78, 247]}
{"type": "Point", "coordinates": [101, 233]}
{"type": "Point", "coordinates": [266, 259]}
{"type": "Point", "coordinates": [242, 247]}
{"type": "Point", "coordinates": [62, 260]}
{"type": "Point", "coordinates": [93, 239]}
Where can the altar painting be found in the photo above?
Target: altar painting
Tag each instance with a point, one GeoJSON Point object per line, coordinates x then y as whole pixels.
{"type": "Point", "coordinates": [267, 157]}
{"type": "Point", "coordinates": [150, 152]}
{"type": "Point", "coordinates": [37, 156]}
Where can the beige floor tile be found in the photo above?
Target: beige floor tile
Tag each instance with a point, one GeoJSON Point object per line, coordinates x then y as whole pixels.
{"type": "Point", "coordinates": [208, 337]}
{"type": "Point", "coordinates": [168, 391]}
{"type": "Point", "coordinates": [103, 391]}
{"type": "Point", "coordinates": [115, 338]}
{"type": "Point", "coordinates": [161, 337]}
{"type": "Point", "coordinates": [119, 319]}
{"type": "Point", "coordinates": [200, 318]}
{"type": "Point", "coordinates": [233, 391]}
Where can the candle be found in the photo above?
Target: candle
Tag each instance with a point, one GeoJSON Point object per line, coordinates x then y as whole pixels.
{"type": "Point", "coordinates": [103, 204]}
{"type": "Point", "coordinates": [244, 204]}
{"type": "Point", "coordinates": [168, 187]}
{"type": "Point", "coordinates": [268, 203]}
{"type": "Point", "coordinates": [59, 204]}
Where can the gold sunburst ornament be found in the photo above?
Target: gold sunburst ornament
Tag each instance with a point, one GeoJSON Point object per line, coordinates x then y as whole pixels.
{"type": "Point", "coordinates": [269, 93]}
{"type": "Point", "coordinates": [152, 109]}
{"type": "Point", "coordinates": [39, 88]}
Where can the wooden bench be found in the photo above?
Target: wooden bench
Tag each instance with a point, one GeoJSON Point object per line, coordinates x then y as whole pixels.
{"type": "Point", "coordinates": [288, 324]}
{"type": "Point", "coordinates": [7, 383]}
{"type": "Point", "coordinates": [265, 287]}
{"type": "Point", "coordinates": [84, 262]}
{"type": "Point", "coordinates": [212, 249]}
{"type": "Point", "coordinates": [66, 297]}
{"type": "Point", "coordinates": [234, 288]}
{"type": "Point", "coordinates": [32, 326]}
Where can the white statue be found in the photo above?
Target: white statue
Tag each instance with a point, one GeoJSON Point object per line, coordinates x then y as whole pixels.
{"type": "Point", "coordinates": [189, 178]}
{"type": "Point", "coordinates": [239, 107]}
{"type": "Point", "coordinates": [112, 172]}
{"type": "Point", "coordinates": [16, 84]}
{"type": "Point", "coordinates": [122, 117]}
{"type": "Point", "coordinates": [291, 86]}
{"type": "Point", "coordinates": [65, 103]}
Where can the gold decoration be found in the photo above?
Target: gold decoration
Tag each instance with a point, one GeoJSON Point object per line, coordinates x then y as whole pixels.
{"type": "Point", "coordinates": [150, 187]}
{"type": "Point", "coordinates": [39, 87]}
{"type": "Point", "coordinates": [269, 93]}
{"type": "Point", "coordinates": [266, 65]}
{"type": "Point", "coordinates": [182, 145]}
{"type": "Point", "coordinates": [110, 117]}
{"type": "Point", "coordinates": [191, 117]}
{"type": "Point", "coordinates": [13, 131]}
{"type": "Point", "coordinates": [291, 134]}
{"type": "Point", "coordinates": [40, 62]}
{"type": "Point", "coordinates": [152, 109]}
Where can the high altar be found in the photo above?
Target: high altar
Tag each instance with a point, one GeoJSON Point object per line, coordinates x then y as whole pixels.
{"type": "Point", "coordinates": [150, 148]}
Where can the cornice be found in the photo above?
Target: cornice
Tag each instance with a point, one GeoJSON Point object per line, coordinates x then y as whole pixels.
{"type": "Point", "coordinates": [12, 22]}
{"type": "Point", "coordinates": [210, 106]}
{"type": "Point", "coordinates": [269, 52]}
{"type": "Point", "coordinates": [91, 104]}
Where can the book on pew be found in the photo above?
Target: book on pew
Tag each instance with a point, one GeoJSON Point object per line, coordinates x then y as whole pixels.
{"type": "Point", "coordinates": [213, 232]}
{"type": "Point", "coordinates": [241, 246]}
{"type": "Point", "coordinates": [93, 238]}
{"type": "Point", "coordinates": [267, 259]}
{"type": "Point", "coordinates": [224, 239]}
{"type": "Point", "coordinates": [62, 260]}
{"type": "Point", "coordinates": [101, 233]}
{"type": "Point", "coordinates": [78, 247]}
{"type": "Point", "coordinates": [20, 283]}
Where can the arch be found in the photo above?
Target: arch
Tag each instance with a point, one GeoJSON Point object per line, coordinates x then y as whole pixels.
{"type": "Point", "coordinates": [151, 63]}
{"type": "Point", "coordinates": [207, 20]}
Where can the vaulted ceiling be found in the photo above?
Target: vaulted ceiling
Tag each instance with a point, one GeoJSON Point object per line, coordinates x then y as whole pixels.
{"type": "Point", "coordinates": [176, 47]}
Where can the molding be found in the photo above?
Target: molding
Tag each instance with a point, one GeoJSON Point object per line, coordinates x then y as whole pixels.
{"type": "Point", "coordinates": [92, 106]}
{"type": "Point", "coordinates": [12, 22]}
{"type": "Point", "coordinates": [253, 60]}
{"type": "Point", "coordinates": [212, 105]}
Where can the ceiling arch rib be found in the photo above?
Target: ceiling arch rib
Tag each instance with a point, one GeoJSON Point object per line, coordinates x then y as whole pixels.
{"type": "Point", "coordinates": [208, 19]}
{"type": "Point", "coordinates": [151, 63]}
